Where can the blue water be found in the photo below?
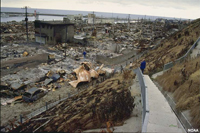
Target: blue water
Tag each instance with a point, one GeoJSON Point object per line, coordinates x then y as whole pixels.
{"type": "Point", "coordinates": [18, 19]}
{"type": "Point", "coordinates": [64, 12]}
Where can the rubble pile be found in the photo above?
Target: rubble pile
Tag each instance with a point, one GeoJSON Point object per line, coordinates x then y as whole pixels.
{"type": "Point", "coordinates": [26, 76]}
{"type": "Point", "coordinates": [76, 53]}
{"type": "Point", "coordinates": [85, 73]}
{"type": "Point", "coordinates": [171, 48]}
{"type": "Point", "coordinates": [111, 100]}
{"type": "Point", "coordinates": [12, 51]}
{"type": "Point", "coordinates": [49, 77]}
{"type": "Point", "coordinates": [15, 32]}
{"type": "Point", "coordinates": [16, 27]}
{"type": "Point", "coordinates": [11, 38]}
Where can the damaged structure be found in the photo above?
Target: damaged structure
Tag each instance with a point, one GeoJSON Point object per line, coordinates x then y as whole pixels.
{"type": "Point", "coordinates": [53, 32]}
{"type": "Point", "coordinates": [84, 73]}
{"type": "Point", "coordinates": [92, 108]}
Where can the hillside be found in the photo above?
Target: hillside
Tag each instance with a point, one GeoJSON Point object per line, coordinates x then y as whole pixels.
{"type": "Point", "coordinates": [183, 81]}
{"type": "Point", "coordinates": [171, 48]}
{"type": "Point", "coordinates": [110, 101]}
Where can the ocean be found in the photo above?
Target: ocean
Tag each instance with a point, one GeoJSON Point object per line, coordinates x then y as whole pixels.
{"type": "Point", "coordinates": [65, 12]}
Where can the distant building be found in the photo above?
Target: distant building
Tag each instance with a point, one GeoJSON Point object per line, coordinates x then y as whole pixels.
{"type": "Point", "coordinates": [77, 19]}
{"type": "Point", "coordinates": [97, 20]}
{"type": "Point", "coordinates": [52, 32]}
{"type": "Point", "coordinates": [70, 17]}
{"type": "Point", "coordinates": [104, 20]}
{"type": "Point", "coordinates": [91, 18]}
{"type": "Point", "coordinates": [161, 20]}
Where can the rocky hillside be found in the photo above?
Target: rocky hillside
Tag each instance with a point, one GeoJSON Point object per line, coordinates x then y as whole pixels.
{"type": "Point", "coordinates": [171, 48]}
{"type": "Point", "coordinates": [183, 80]}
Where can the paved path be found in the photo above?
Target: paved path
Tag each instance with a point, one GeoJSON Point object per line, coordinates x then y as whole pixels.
{"type": "Point", "coordinates": [161, 116]}
{"type": "Point", "coordinates": [196, 50]}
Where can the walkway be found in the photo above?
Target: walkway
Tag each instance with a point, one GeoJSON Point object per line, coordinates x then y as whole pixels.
{"type": "Point", "coordinates": [161, 116]}
{"type": "Point", "coordinates": [196, 51]}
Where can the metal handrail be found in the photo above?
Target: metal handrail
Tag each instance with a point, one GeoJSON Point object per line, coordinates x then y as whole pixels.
{"type": "Point", "coordinates": [145, 105]}
{"type": "Point", "coordinates": [171, 64]}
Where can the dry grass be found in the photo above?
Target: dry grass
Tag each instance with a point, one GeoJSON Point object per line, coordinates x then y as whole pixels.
{"type": "Point", "coordinates": [186, 90]}
{"type": "Point", "coordinates": [110, 100]}
{"type": "Point", "coordinates": [171, 48]}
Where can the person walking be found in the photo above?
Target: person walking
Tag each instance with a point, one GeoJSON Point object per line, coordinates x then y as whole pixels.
{"type": "Point", "coordinates": [143, 65]}
{"type": "Point", "coordinates": [84, 54]}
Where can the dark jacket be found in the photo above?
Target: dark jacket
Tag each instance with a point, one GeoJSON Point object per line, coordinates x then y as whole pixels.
{"type": "Point", "coordinates": [143, 65]}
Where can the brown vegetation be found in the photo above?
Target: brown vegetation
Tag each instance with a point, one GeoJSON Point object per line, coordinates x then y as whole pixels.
{"type": "Point", "coordinates": [183, 81]}
{"type": "Point", "coordinates": [110, 100]}
{"type": "Point", "coordinates": [171, 48]}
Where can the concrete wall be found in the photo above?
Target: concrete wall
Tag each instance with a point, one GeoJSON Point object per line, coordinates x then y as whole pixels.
{"type": "Point", "coordinates": [40, 39]}
{"type": "Point", "coordinates": [70, 33]}
{"type": "Point", "coordinates": [47, 30]}
{"type": "Point", "coordinates": [90, 20]}
{"type": "Point", "coordinates": [57, 33]}
{"type": "Point", "coordinates": [115, 60]}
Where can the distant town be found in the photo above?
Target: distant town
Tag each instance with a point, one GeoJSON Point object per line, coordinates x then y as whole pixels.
{"type": "Point", "coordinates": [91, 73]}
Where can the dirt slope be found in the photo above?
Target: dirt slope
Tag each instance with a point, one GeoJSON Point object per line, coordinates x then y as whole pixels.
{"type": "Point", "coordinates": [110, 100]}
{"type": "Point", "coordinates": [183, 80]}
{"type": "Point", "coordinates": [171, 48]}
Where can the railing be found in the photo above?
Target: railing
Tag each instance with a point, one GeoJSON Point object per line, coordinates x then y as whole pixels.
{"type": "Point", "coordinates": [181, 59]}
{"type": "Point", "coordinates": [145, 105]}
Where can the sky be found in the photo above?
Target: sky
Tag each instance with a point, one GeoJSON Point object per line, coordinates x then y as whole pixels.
{"type": "Point", "coordinates": [189, 9]}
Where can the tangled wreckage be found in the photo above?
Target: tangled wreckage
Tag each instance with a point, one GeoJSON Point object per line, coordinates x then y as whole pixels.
{"type": "Point", "coordinates": [51, 81]}
{"type": "Point", "coordinates": [85, 72]}
{"type": "Point", "coordinates": [109, 102]}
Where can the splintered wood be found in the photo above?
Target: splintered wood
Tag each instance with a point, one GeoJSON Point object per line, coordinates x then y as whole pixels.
{"type": "Point", "coordinates": [110, 100]}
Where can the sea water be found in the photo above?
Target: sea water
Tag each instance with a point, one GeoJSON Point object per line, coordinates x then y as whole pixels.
{"type": "Point", "coordinates": [64, 12]}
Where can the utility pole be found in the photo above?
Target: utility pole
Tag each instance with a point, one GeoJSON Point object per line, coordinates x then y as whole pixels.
{"type": "Point", "coordinates": [129, 22]}
{"type": "Point", "coordinates": [26, 19]}
{"type": "Point", "coordinates": [93, 20]}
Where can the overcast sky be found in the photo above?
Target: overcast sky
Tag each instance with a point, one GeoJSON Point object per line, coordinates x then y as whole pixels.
{"type": "Point", "coordinates": [168, 8]}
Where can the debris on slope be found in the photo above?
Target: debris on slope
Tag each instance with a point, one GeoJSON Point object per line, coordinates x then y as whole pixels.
{"type": "Point", "coordinates": [171, 48]}
{"type": "Point", "coordinates": [110, 100]}
{"type": "Point", "coordinates": [84, 73]}
{"type": "Point", "coordinates": [183, 81]}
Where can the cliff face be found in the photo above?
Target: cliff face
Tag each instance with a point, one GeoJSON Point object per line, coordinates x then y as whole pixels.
{"type": "Point", "coordinates": [171, 48]}
{"type": "Point", "coordinates": [183, 81]}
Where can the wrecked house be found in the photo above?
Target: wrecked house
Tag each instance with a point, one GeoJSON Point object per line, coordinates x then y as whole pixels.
{"type": "Point", "coordinates": [85, 73]}
{"type": "Point", "coordinates": [53, 32]}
